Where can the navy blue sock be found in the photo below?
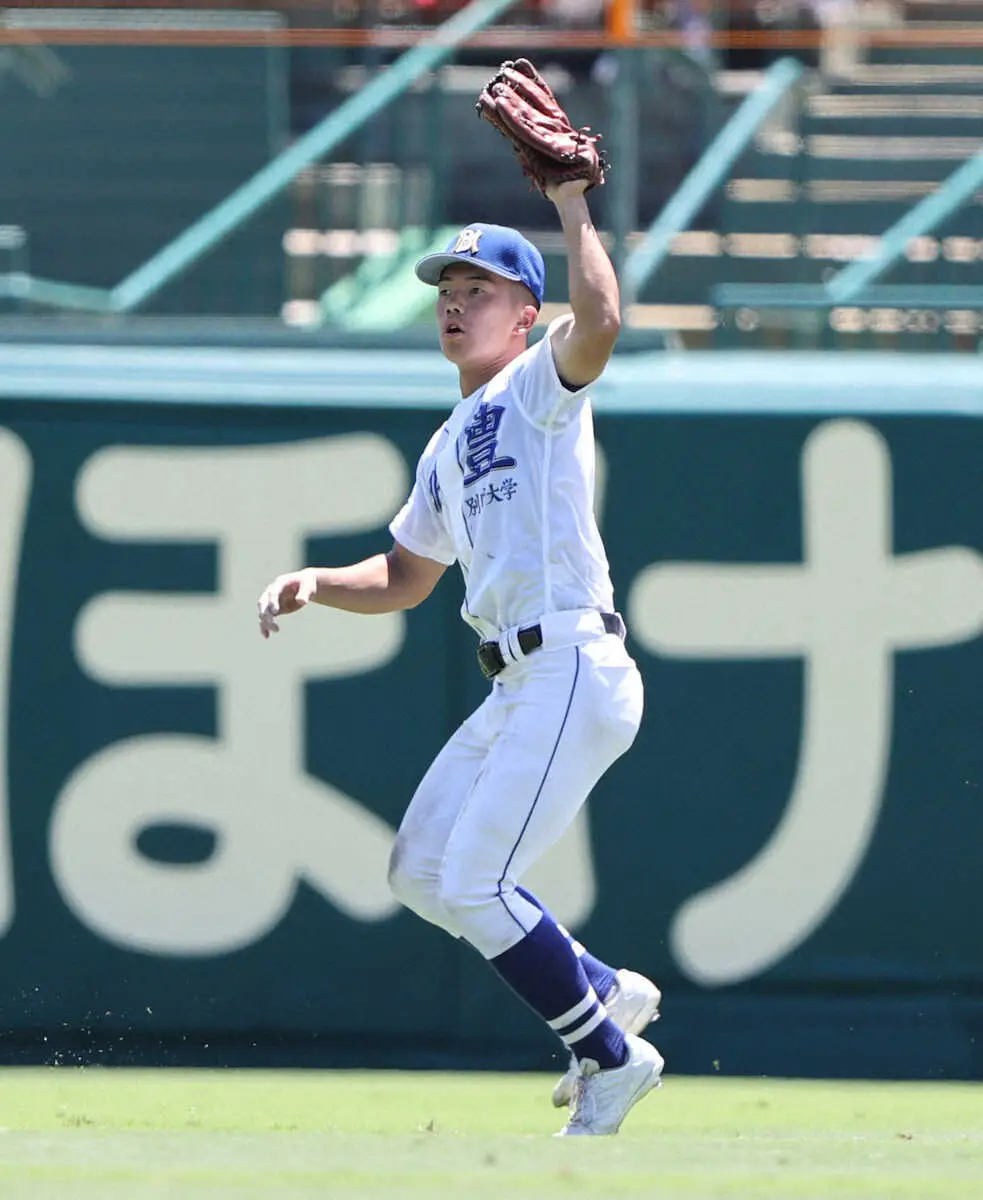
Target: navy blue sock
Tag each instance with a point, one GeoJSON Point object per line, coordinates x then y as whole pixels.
{"type": "Point", "coordinates": [544, 970]}
{"type": "Point", "coordinates": [601, 976]}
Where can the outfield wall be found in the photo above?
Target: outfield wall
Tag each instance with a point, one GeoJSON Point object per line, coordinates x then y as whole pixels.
{"type": "Point", "coordinates": [194, 824]}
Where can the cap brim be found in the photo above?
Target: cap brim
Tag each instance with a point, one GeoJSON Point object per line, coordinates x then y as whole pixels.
{"type": "Point", "coordinates": [429, 268]}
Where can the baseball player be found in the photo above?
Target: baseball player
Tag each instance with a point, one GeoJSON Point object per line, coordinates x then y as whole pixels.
{"type": "Point", "coordinates": [505, 488]}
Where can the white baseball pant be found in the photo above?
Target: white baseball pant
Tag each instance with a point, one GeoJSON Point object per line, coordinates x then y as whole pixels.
{"type": "Point", "coordinates": [508, 783]}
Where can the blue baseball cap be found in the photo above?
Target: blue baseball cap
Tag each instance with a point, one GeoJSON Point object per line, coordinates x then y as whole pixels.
{"type": "Point", "coordinates": [498, 249]}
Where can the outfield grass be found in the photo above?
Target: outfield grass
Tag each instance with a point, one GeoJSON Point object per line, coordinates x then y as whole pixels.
{"type": "Point", "coordinates": [77, 1134]}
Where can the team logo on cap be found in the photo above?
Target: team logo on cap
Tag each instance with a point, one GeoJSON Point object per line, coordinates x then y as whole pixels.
{"type": "Point", "coordinates": [467, 241]}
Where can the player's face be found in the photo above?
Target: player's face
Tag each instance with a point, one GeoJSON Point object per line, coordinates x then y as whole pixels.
{"type": "Point", "coordinates": [478, 314]}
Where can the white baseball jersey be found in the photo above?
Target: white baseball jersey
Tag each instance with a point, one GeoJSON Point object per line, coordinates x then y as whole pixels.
{"type": "Point", "coordinates": [505, 487]}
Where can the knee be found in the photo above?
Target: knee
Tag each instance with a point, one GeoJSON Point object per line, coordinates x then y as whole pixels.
{"type": "Point", "coordinates": [404, 881]}
{"type": "Point", "coordinates": [459, 888]}
{"type": "Point", "coordinates": [412, 886]}
{"type": "Point", "coordinates": [460, 904]}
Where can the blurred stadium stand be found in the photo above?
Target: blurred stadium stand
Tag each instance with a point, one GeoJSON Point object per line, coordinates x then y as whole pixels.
{"type": "Point", "coordinates": [119, 137]}
{"type": "Point", "coordinates": [868, 140]}
{"type": "Point", "coordinates": [123, 146]}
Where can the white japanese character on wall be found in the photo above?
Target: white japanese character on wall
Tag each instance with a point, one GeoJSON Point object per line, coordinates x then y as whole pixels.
{"type": "Point", "coordinates": [275, 824]}
{"type": "Point", "coordinates": [846, 609]}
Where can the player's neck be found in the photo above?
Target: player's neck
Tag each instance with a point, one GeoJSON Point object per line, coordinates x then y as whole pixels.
{"type": "Point", "coordinates": [474, 377]}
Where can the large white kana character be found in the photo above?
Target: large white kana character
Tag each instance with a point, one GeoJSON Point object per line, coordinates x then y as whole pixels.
{"type": "Point", "coordinates": [274, 825]}
{"type": "Point", "coordinates": [846, 609]}
{"type": "Point", "coordinates": [15, 487]}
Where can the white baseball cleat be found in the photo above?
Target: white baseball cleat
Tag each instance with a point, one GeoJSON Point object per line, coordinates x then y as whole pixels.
{"type": "Point", "coordinates": [603, 1099]}
{"type": "Point", "coordinates": [632, 1004]}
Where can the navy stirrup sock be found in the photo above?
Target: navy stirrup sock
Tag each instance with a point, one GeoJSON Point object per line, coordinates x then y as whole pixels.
{"type": "Point", "coordinates": [601, 977]}
{"type": "Point", "coordinates": [545, 971]}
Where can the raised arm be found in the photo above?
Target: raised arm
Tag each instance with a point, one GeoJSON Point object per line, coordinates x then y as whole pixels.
{"type": "Point", "coordinates": [380, 584]}
{"type": "Point", "coordinates": [584, 340]}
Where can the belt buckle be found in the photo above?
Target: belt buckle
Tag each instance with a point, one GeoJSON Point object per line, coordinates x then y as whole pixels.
{"type": "Point", "coordinates": [490, 659]}
{"type": "Point", "coordinates": [614, 623]}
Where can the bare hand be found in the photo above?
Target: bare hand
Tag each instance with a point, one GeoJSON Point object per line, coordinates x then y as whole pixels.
{"type": "Point", "coordinates": [286, 594]}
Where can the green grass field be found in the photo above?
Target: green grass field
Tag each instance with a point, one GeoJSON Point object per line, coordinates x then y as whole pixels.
{"type": "Point", "coordinates": [112, 1133]}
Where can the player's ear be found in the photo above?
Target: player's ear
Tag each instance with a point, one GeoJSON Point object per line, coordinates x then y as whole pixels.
{"type": "Point", "coordinates": [527, 318]}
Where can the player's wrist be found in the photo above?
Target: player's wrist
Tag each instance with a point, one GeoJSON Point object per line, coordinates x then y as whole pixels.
{"type": "Point", "coordinates": [312, 577]}
{"type": "Point", "coordinates": [570, 191]}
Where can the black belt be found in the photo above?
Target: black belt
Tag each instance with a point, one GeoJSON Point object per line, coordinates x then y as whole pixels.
{"type": "Point", "coordinates": [492, 661]}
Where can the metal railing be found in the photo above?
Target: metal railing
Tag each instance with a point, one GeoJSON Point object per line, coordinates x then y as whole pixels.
{"type": "Point", "coordinates": [942, 309]}
{"type": "Point", "coordinates": [850, 282]}
{"type": "Point", "coordinates": [706, 176]}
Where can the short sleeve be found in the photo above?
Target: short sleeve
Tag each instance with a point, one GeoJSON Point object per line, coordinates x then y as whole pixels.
{"type": "Point", "coordinates": [544, 397]}
{"type": "Point", "coordinates": [419, 524]}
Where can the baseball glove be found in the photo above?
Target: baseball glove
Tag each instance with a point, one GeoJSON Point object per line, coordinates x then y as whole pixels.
{"type": "Point", "coordinates": [520, 104]}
